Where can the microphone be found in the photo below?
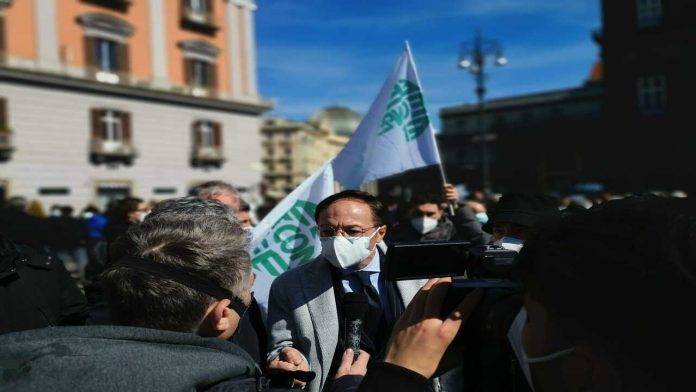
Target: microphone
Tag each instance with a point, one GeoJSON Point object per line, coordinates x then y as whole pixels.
{"type": "Point", "coordinates": [354, 308]}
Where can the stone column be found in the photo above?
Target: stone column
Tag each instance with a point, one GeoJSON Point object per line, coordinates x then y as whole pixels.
{"type": "Point", "coordinates": [47, 36]}
{"type": "Point", "coordinates": [160, 74]}
{"type": "Point", "coordinates": [245, 49]}
{"type": "Point", "coordinates": [235, 72]}
{"type": "Point", "coordinates": [251, 49]}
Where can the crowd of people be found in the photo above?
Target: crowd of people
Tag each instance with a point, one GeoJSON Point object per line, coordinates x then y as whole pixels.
{"type": "Point", "coordinates": [165, 298]}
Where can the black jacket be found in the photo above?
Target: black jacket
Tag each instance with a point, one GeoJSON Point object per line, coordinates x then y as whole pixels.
{"type": "Point", "coordinates": [36, 291]}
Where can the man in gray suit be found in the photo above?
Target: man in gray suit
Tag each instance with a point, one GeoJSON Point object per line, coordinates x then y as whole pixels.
{"type": "Point", "coordinates": [304, 314]}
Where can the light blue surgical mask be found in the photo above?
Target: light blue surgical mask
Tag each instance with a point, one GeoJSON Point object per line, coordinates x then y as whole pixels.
{"type": "Point", "coordinates": [482, 218]}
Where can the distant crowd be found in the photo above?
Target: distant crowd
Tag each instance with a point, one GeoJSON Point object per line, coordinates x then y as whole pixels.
{"type": "Point", "coordinates": [577, 293]}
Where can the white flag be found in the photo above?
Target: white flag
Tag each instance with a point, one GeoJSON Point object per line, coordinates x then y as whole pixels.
{"type": "Point", "coordinates": [288, 234]}
{"type": "Point", "coordinates": [396, 134]}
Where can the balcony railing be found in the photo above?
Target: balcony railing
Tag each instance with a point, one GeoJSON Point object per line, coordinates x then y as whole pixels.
{"type": "Point", "coordinates": [207, 156]}
{"type": "Point", "coordinates": [110, 151]}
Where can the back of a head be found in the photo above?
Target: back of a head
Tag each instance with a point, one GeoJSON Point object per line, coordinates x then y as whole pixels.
{"type": "Point", "coordinates": [122, 207]}
{"type": "Point", "coordinates": [212, 188]}
{"type": "Point", "coordinates": [621, 278]}
{"type": "Point", "coordinates": [18, 203]}
{"type": "Point", "coordinates": [200, 237]}
{"type": "Point", "coordinates": [522, 209]}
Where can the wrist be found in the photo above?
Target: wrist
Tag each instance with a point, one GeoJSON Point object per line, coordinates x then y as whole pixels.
{"type": "Point", "coordinates": [411, 365]}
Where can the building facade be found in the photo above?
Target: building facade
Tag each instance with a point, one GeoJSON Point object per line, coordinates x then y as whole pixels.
{"type": "Point", "coordinates": [628, 129]}
{"type": "Point", "coordinates": [101, 99]}
{"type": "Point", "coordinates": [294, 150]}
{"type": "Point", "coordinates": [525, 135]}
{"type": "Point", "coordinates": [649, 58]}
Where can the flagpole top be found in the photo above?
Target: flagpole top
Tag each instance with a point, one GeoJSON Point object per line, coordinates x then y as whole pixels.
{"type": "Point", "coordinates": [407, 46]}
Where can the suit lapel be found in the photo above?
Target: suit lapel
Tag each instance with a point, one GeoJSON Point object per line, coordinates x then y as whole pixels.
{"type": "Point", "coordinates": [317, 287]}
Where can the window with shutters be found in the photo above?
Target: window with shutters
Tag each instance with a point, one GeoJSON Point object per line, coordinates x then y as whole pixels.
{"type": "Point", "coordinates": [200, 77]}
{"type": "Point", "coordinates": [200, 70]}
{"type": "Point", "coordinates": [5, 133]}
{"type": "Point", "coordinates": [198, 15]}
{"type": "Point", "coordinates": [111, 139]}
{"type": "Point", "coordinates": [207, 144]}
{"type": "Point", "coordinates": [652, 94]}
{"type": "Point", "coordinates": [106, 50]}
{"type": "Point", "coordinates": [105, 55]}
{"type": "Point", "coordinates": [649, 13]}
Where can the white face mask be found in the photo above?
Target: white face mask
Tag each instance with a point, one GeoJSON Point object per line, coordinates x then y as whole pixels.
{"type": "Point", "coordinates": [424, 224]}
{"type": "Point", "coordinates": [142, 216]}
{"type": "Point", "coordinates": [345, 252]}
{"type": "Point", "coordinates": [515, 337]}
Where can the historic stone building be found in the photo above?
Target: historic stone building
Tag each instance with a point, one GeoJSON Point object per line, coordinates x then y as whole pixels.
{"type": "Point", "coordinates": [294, 150]}
{"type": "Point", "coordinates": [101, 99]}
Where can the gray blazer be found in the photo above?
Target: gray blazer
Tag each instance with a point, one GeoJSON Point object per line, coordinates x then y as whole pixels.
{"type": "Point", "coordinates": [302, 314]}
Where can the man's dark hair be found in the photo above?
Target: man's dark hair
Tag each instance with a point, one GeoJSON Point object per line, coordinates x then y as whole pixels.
{"type": "Point", "coordinates": [121, 208]}
{"type": "Point", "coordinates": [375, 205]}
{"type": "Point", "coordinates": [426, 198]}
{"type": "Point", "coordinates": [200, 237]}
{"type": "Point", "coordinates": [621, 277]}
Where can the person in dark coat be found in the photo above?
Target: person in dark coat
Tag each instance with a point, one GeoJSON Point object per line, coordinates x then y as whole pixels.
{"type": "Point", "coordinates": [20, 227]}
{"type": "Point", "coordinates": [428, 220]}
{"type": "Point", "coordinates": [36, 291]}
{"type": "Point", "coordinates": [176, 288]}
{"type": "Point", "coordinates": [516, 214]}
{"type": "Point", "coordinates": [122, 215]}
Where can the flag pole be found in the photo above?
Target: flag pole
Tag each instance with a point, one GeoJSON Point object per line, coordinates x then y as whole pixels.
{"type": "Point", "coordinates": [450, 206]}
{"type": "Point", "coordinates": [407, 47]}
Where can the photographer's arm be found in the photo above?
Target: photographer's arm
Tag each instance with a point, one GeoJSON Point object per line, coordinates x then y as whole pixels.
{"type": "Point", "coordinates": [419, 340]}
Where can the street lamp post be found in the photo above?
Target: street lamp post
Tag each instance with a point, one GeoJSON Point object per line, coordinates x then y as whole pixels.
{"type": "Point", "coordinates": [472, 58]}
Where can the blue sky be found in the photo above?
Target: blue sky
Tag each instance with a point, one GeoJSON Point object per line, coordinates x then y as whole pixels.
{"type": "Point", "coordinates": [315, 53]}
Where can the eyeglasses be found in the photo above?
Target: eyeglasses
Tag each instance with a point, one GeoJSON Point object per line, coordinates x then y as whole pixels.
{"type": "Point", "coordinates": [350, 231]}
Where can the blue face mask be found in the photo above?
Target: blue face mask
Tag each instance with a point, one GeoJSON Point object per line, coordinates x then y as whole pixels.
{"type": "Point", "coordinates": [482, 218]}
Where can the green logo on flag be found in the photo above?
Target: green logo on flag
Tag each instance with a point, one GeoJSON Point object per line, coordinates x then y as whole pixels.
{"type": "Point", "coordinates": [405, 110]}
{"type": "Point", "coordinates": [291, 238]}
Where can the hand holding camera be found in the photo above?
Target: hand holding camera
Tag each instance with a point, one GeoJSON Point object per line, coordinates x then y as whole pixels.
{"type": "Point", "coordinates": [421, 337]}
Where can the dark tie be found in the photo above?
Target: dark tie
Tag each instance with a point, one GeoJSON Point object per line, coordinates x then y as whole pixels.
{"type": "Point", "coordinates": [374, 318]}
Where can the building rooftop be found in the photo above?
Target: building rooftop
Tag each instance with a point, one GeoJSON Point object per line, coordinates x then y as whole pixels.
{"type": "Point", "coordinates": [587, 91]}
{"type": "Point", "coordinates": [339, 119]}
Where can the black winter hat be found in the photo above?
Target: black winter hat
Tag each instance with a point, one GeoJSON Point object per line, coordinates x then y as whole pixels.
{"type": "Point", "coordinates": [522, 209]}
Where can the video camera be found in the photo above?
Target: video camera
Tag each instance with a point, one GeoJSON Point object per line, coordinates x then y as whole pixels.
{"type": "Point", "coordinates": [485, 266]}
